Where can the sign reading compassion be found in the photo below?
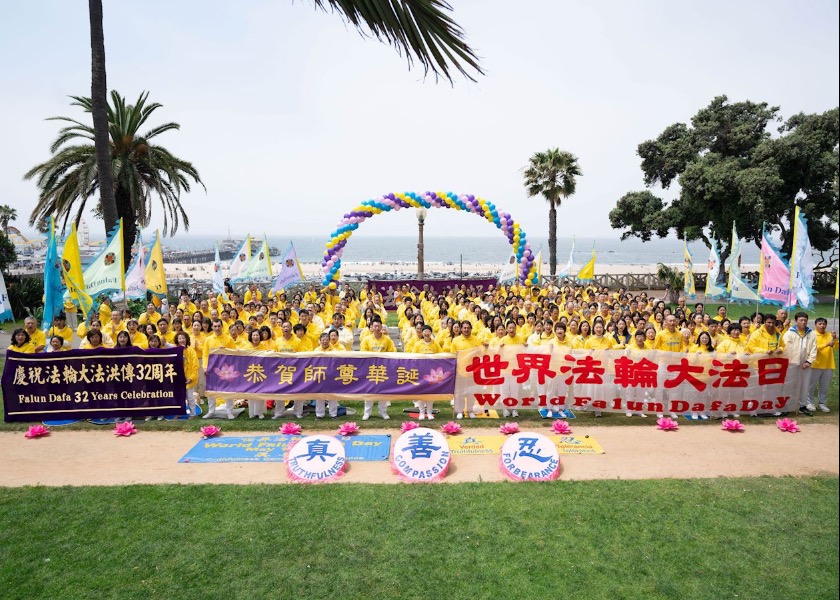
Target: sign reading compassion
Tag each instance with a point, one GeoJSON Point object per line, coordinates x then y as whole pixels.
{"type": "Point", "coordinates": [421, 455]}
{"type": "Point", "coordinates": [316, 459]}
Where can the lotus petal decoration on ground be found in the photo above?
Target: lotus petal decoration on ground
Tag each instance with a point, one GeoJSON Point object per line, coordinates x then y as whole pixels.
{"type": "Point", "coordinates": [451, 428]}
{"type": "Point", "coordinates": [788, 425]}
{"type": "Point", "coordinates": [209, 431]}
{"type": "Point", "coordinates": [36, 431]}
{"type": "Point", "coordinates": [732, 425]}
{"type": "Point", "coordinates": [409, 425]}
{"type": "Point", "coordinates": [667, 424]}
{"type": "Point", "coordinates": [348, 428]}
{"type": "Point", "coordinates": [290, 429]}
{"type": "Point", "coordinates": [125, 429]}
{"type": "Point", "coordinates": [562, 427]}
{"type": "Point", "coordinates": [509, 428]}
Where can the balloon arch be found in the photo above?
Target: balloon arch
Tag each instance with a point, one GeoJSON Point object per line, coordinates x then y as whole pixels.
{"type": "Point", "coordinates": [331, 263]}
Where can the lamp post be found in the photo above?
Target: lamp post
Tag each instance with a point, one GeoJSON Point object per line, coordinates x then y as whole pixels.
{"type": "Point", "coordinates": [421, 220]}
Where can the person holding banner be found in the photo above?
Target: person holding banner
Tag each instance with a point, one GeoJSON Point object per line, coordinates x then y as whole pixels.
{"type": "Point", "coordinates": [465, 341]}
{"type": "Point", "coordinates": [218, 339]}
{"type": "Point", "coordinates": [801, 342]}
{"type": "Point", "coordinates": [377, 342]}
{"type": "Point", "coordinates": [822, 370]}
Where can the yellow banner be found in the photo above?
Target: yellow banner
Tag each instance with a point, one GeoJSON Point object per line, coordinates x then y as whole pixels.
{"type": "Point", "coordinates": [480, 445]}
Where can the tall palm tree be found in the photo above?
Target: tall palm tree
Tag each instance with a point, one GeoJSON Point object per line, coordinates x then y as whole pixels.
{"type": "Point", "coordinates": [7, 213]}
{"type": "Point", "coordinates": [139, 169]}
{"type": "Point", "coordinates": [421, 29]}
{"type": "Point", "coordinates": [552, 174]}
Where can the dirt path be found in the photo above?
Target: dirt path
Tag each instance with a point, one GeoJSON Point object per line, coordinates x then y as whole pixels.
{"type": "Point", "coordinates": [100, 458]}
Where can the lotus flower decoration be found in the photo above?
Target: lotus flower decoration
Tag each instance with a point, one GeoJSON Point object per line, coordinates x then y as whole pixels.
{"type": "Point", "coordinates": [209, 431]}
{"type": "Point", "coordinates": [732, 425]}
{"type": "Point", "coordinates": [437, 376]}
{"type": "Point", "coordinates": [36, 431]}
{"type": "Point", "coordinates": [409, 425]}
{"type": "Point", "coordinates": [509, 428]}
{"type": "Point", "coordinates": [350, 428]}
{"type": "Point", "coordinates": [227, 372]}
{"type": "Point", "coordinates": [451, 428]}
{"type": "Point", "coordinates": [125, 429]}
{"type": "Point", "coordinates": [667, 424]}
{"type": "Point", "coordinates": [788, 425]}
{"type": "Point", "coordinates": [290, 429]}
{"type": "Point", "coordinates": [562, 427]}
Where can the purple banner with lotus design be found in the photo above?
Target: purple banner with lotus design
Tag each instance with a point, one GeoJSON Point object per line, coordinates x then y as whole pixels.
{"type": "Point", "coordinates": [90, 384]}
{"type": "Point", "coordinates": [331, 376]}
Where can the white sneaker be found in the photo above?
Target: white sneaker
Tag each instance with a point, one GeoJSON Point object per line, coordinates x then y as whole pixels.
{"type": "Point", "coordinates": [275, 417]}
{"type": "Point", "coordinates": [629, 414]}
{"type": "Point", "coordinates": [514, 413]}
{"type": "Point", "coordinates": [659, 415]}
{"type": "Point", "coordinates": [231, 416]}
{"type": "Point", "coordinates": [384, 416]}
{"type": "Point", "coordinates": [824, 408]}
{"type": "Point", "coordinates": [430, 416]}
{"type": "Point", "coordinates": [365, 417]}
{"type": "Point", "coordinates": [148, 418]}
{"type": "Point", "coordinates": [297, 416]}
{"type": "Point", "coordinates": [459, 416]}
{"type": "Point", "coordinates": [209, 415]}
{"type": "Point", "coordinates": [472, 415]}
{"type": "Point", "coordinates": [505, 412]}
{"type": "Point", "coordinates": [811, 407]}
{"type": "Point", "coordinates": [421, 417]}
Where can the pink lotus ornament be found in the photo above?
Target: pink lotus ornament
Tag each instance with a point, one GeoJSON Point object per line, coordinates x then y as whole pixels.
{"type": "Point", "coordinates": [227, 372]}
{"type": "Point", "coordinates": [36, 431]}
{"type": "Point", "coordinates": [125, 429]}
{"type": "Point", "coordinates": [561, 427]}
{"type": "Point", "coordinates": [788, 425]}
{"type": "Point", "coordinates": [290, 429]}
{"type": "Point", "coordinates": [451, 428]}
{"type": "Point", "coordinates": [409, 425]}
{"type": "Point", "coordinates": [509, 428]}
{"type": "Point", "coordinates": [437, 376]}
{"type": "Point", "coordinates": [732, 425]}
{"type": "Point", "coordinates": [209, 431]}
{"type": "Point", "coordinates": [667, 424]}
{"type": "Point", "coordinates": [350, 428]}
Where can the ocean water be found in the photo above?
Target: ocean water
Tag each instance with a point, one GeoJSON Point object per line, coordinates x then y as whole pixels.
{"type": "Point", "coordinates": [476, 250]}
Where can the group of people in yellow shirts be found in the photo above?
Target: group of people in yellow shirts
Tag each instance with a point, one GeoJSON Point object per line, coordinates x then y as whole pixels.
{"type": "Point", "coordinates": [576, 317]}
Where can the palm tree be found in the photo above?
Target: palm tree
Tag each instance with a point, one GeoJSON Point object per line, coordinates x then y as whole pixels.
{"type": "Point", "coordinates": [551, 174]}
{"type": "Point", "coordinates": [421, 29]}
{"type": "Point", "coordinates": [7, 213]}
{"type": "Point", "coordinates": [139, 169]}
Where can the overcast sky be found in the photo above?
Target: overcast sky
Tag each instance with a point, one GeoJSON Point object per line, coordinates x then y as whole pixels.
{"type": "Point", "coordinates": [292, 118]}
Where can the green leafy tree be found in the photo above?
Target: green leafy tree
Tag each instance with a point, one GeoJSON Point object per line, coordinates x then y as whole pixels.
{"type": "Point", "coordinates": [140, 170]}
{"type": "Point", "coordinates": [553, 175]}
{"type": "Point", "coordinates": [730, 168]}
{"type": "Point", "coordinates": [422, 30]}
{"type": "Point", "coordinates": [7, 213]}
{"type": "Point", "coordinates": [8, 255]}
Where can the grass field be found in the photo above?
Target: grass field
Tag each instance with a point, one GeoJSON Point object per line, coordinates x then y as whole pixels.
{"type": "Point", "coordinates": [725, 538]}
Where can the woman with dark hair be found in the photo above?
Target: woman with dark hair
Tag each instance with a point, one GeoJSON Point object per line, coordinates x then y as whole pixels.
{"type": "Point", "coordinates": [21, 342]}
{"type": "Point", "coordinates": [123, 340]}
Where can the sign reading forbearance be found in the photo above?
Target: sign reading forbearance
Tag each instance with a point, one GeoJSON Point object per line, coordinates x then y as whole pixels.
{"type": "Point", "coordinates": [88, 384]}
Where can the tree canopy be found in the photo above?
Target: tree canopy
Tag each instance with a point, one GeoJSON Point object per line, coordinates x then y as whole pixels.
{"type": "Point", "coordinates": [729, 167]}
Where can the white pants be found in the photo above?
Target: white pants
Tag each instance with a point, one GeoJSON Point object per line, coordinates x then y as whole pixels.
{"type": "Point", "coordinates": [804, 385]}
{"type": "Point", "coordinates": [319, 407]}
{"type": "Point", "coordinates": [256, 408]}
{"type": "Point", "coordinates": [820, 379]}
{"type": "Point", "coordinates": [383, 407]}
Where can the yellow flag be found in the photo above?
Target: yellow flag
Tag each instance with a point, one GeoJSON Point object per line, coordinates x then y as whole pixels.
{"type": "Point", "coordinates": [587, 273]}
{"type": "Point", "coordinates": [155, 277]}
{"type": "Point", "coordinates": [77, 291]}
{"type": "Point", "coordinates": [71, 263]}
{"type": "Point", "coordinates": [539, 267]}
{"type": "Point", "coordinates": [837, 284]}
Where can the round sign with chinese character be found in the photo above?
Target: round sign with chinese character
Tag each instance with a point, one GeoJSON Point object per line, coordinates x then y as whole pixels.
{"type": "Point", "coordinates": [421, 455]}
{"type": "Point", "coordinates": [316, 459]}
{"type": "Point", "coordinates": [530, 457]}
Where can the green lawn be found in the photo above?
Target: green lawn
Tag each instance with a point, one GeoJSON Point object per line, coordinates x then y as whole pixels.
{"type": "Point", "coordinates": [718, 538]}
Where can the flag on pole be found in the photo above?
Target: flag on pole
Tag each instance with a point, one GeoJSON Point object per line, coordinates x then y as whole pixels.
{"type": "Point", "coordinates": [538, 260]}
{"type": "Point", "coordinates": [290, 270]}
{"type": "Point", "coordinates": [567, 270]}
{"type": "Point", "coordinates": [801, 264]}
{"type": "Point", "coordinates": [689, 290]}
{"type": "Point", "coordinates": [508, 274]}
{"type": "Point", "coordinates": [106, 274]}
{"type": "Point", "coordinates": [155, 276]}
{"type": "Point", "coordinates": [135, 278]}
{"type": "Point", "coordinates": [259, 267]}
{"type": "Point", "coordinates": [240, 260]}
{"type": "Point", "coordinates": [53, 289]}
{"type": "Point", "coordinates": [713, 290]}
{"type": "Point", "coordinates": [5, 305]}
{"type": "Point", "coordinates": [773, 272]}
{"type": "Point", "coordinates": [218, 279]}
{"type": "Point", "coordinates": [71, 264]}
{"type": "Point", "coordinates": [738, 288]}
{"type": "Point", "coordinates": [587, 273]}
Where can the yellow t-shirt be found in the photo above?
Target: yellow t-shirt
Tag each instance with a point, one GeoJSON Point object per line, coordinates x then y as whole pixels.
{"type": "Point", "coordinates": [825, 355]}
{"type": "Point", "coordinates": [669, 342]}
{"type": "Point", "coordinates": [215, 341]}
{"type": "Point", "coordinates": [424, 347]}
{"type": "Point", "coordinates": [383, 344]}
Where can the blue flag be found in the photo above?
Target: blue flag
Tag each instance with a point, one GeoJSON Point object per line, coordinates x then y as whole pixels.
{"type": "Point", "coordinates": [53, 287]}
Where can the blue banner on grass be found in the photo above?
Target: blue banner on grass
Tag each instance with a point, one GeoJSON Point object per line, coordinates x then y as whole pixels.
{"type": "Point", "coordinates": [272, 448]}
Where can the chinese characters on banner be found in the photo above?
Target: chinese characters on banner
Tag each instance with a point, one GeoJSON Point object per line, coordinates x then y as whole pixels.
{"type": "Point", "coordinates": [620, 381]}
{"type": "Point", "coordinates": [330, 376]}
{"type": "Point", "coordinates": [88, 384]}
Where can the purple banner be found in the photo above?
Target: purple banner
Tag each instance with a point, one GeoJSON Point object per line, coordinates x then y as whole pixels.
{"type": "Point", "coordinates": [331, 376]}
{"type": "Point", "coordinates": [389, 287]}
{"type": "Point", "coordinates": [90, 384]}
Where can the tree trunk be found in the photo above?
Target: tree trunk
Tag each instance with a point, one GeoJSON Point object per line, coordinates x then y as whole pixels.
{"type": "Point", "coordinates": [99, 111]}
{"type": "Point", "coordinates": [125, 211]}
{"type": "Point", "coordinates": [552, 239]}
